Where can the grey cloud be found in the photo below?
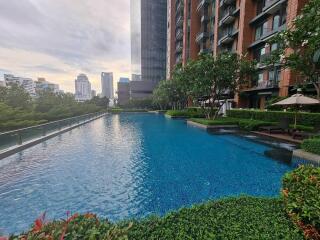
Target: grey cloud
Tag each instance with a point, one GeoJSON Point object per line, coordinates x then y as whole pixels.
{"type": "Point", "coordinates": [78, 32]}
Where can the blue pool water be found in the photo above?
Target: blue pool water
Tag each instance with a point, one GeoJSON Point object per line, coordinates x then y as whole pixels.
{"type": "Point", "coordinates": [131, 165]}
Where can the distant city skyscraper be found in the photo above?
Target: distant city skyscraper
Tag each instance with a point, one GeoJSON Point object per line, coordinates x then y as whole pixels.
{"type": "Point", "coordinates": [82, 88]}
{"type": "Point", "coordinates": [107, 85]}
{"type": "Point", "coordinates": [26, 83]}
{"type": "Point", "coordinates": [148, 40]}
{"type": "Point", "coordinates": [43, 85]}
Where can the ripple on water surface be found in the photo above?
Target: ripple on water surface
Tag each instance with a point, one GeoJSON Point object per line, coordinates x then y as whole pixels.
{"type": "Point", "coordinates": [131, 165]}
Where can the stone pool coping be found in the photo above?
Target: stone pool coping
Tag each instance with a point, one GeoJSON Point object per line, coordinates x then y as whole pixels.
{"type": "Point", "coordinates": [308, 157]}
{"type": "Point", "coordinates": [203, 126]}
{"type": "Point", "coordinates": [18, 148]}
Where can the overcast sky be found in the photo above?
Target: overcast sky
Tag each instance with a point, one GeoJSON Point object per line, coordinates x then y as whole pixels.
{"type": "Point", "coordinates": [58, 39]}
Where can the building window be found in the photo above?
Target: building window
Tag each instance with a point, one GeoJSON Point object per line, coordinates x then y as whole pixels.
{"type": "Point", "coordinates": [274, 47]}
{"type": "Point", "coordinates": [276, 22]}
{"type": "Point", "coordinates": [260, 77]}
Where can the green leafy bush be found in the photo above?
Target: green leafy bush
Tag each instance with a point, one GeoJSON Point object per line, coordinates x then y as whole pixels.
{"type": "Point", "coordinates": [187, 113]}
{"type": "Point", "coordinates": [218, 121]}
{"type": "Point", "coordinates": [232, 218]}
{"type": "Point", "coordinates": [86, 226]}
{"type": "Point", "coordinates": [301, 195]}
{"type": "Point", "coordinates": [252, 125]}
{"type": "Point", "coordinates": [307, 119]}
{"type": "Point", "coordinates": [311, 145]}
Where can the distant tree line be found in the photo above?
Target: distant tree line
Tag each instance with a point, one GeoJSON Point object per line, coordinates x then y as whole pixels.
{"type": "Point", "coordinates": [18, 109]}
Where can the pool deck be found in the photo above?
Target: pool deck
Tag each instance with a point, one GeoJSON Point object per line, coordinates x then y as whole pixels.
{"type": "Point", "coordinates": [199, 125]}
{"type": "Point", "coordinates": [279, 136]}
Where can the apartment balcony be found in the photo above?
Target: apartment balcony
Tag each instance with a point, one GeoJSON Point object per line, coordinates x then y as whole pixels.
{"type": "Point", "coordinates": [266, 85]}
{"type": "Point", "coordinates": [272, 6]}
{"type": "Point", "coordinates": [179, 22]}
{"type": "Point", "coordinates": [179, 7]}
{"type": "Point", "coordinates": [202, 3]}
{"type": "Point", "coordinates": [205, 19]}
{"type": "Point", "coordinates": [266, 35]}
{"type": "Point", "coordinates": [179, 47]}
{"type": "Point", "coordinates": [229, 16]}
{"type": "Point", "coordinates": [228, 37]}
{"type": "Point", "coordinates": [201, 36]}
{"type": "Point", "coordinates": [179, 34]}
{"type": "Point", "coordinates": [205, 51]}
{"type": "Point", "coordinates": [226, 2]}
{"type": "Point", "coordinates": [179, 58]}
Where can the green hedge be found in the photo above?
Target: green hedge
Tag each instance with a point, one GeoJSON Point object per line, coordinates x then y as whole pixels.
{"type": "Point", "coordinates": [187, 113]}
{"type": "Point", "coordinates": [311, 145]}
{"type": "Point", "coordinates": [252, 125]}
{"type": "Point", "coordinates": [301, 194]}
{"type": "Point", "coordinates": [14, 124]}
{"type": "Point", "coordinates": [231, 218]}
{"type": "Point", "coordinates": [307, 119]}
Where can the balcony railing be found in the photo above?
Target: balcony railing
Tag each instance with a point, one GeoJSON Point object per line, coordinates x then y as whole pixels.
{"type": "Point", "coordinates": [227, 36]}
{"type": "Point", "coordinates": [179, 47]}
{"type": "Point", "coordinates": [226, 2]}
{"type": "Point", "coordinates": [179, 34]}
{"type": "Point", "coordinates": [266, 84]}
{"type": "Point", "coordinates": [201, 36]}
{"type": "Point", "coordinates": [228, 16]}
{"type": "Point", "coordinates": [202, 3]}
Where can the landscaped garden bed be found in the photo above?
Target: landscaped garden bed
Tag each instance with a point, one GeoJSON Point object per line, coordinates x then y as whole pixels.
{"type": "Point", "coordinates": [294, 215]}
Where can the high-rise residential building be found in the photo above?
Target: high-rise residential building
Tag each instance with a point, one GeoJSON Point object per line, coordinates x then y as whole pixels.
{"type": "Point", "coordinates": [26, 83]}
{"type": "Point", "coordinates": [148, 40]}
{"type": "Point", "coordinates": [43, 85]}
{"type": "Point", "coordinates": [123, 91]}
{"type": "Point", "coordinates": [93, 93]}
{"type": "Point", "coordinates": [107, 85]}
{"type": "Point", "coordinates": [243, 27]}
{"type": "Point", "coordinates": [82, 88]}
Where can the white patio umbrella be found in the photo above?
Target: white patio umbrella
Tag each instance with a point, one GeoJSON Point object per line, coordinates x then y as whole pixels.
{"type": "Point", "coordinates": [297, 100]}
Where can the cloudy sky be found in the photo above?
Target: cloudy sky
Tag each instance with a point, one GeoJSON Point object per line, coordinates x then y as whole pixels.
{"type": "Point", "coordinates": [58, 39]}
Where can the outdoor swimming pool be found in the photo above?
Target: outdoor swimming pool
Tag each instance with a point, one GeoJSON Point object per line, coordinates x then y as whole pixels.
{"type": "Point", "coordinates": [132, 165]}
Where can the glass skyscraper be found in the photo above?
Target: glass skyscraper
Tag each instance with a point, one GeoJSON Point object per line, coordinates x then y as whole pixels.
{"type": "Point", "coordinates": [148, 39]}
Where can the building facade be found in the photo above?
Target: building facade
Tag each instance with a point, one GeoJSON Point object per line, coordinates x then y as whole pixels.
{"type": "Point", "coordinates": [123, 91]}
{"type": "Point", "coordinates": [82, 88]}
{"type": "Point", "coordinates": [107, 85]}
{"type": "Point", "coordinates": [243, 27]}
{"type": "Point", "coordinates": [27, 83]}
{"type": "Point", "coordinates": [148, 41]}
{"type": "Point", "coordinates": [43, 85]}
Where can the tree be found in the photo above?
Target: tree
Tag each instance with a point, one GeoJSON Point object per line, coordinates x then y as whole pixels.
{"type": "Point", "coordinates": [17, 97]}
{"type": "Point", "coordinates": [299, 45]}
{"type": "Point", "coordinates": [100, 102]}
{"type": "Point", "coordinates": [214, 77]}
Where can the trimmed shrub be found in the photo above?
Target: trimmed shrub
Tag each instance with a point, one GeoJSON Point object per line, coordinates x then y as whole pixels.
{"type": "Point", "coordinates": [252, 125]}
{"type": "Point", "coordinates": [307, 119]}
{"type": "Point", "coordinates": [187, 113]}
{"type": "Point", "coordinates": [301, 195]}
{"type": "Point", "coordinates": [311, 145]}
